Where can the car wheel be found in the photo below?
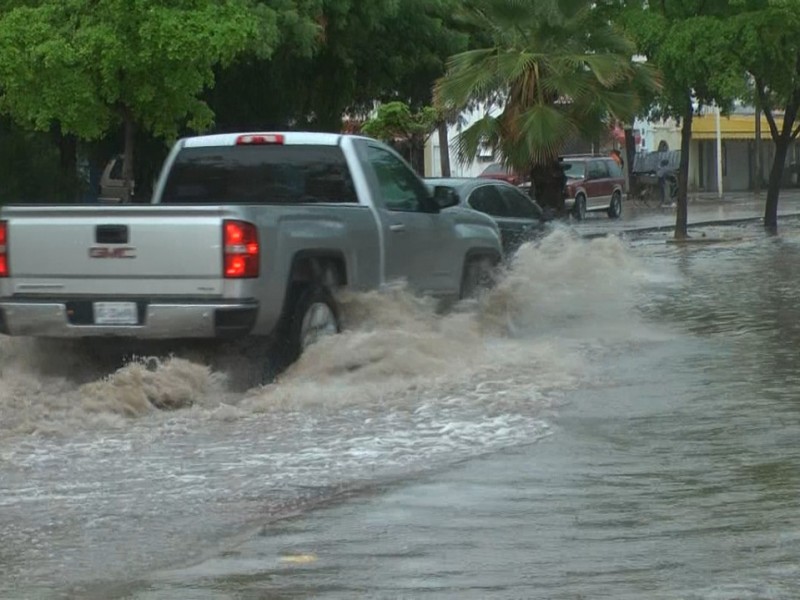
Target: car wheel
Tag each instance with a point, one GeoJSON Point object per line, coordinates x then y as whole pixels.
{"type": "Point", "coordinates": [312, 315]}
{"type": "Point", "coordinates": [615, 208]}
{"type": "Point", "coordinates": [579, 210]}
{"type": "Point", "coordinates": [478, 275]}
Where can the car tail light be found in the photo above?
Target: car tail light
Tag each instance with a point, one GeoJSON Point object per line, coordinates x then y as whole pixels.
{"type": "Point", "coordinates": [3, 248]}
{"type": "Point", "coordinates": [259, 138]}
{"type": "Point", "coordinates": [240, 249]}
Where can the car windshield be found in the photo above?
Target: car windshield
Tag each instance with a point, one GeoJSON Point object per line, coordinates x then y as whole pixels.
{"type": "Point", "coordinates": [575, 170]}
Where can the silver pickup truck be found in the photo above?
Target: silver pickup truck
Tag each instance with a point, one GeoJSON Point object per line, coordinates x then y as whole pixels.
{"type": "Point", "coordinates": [247, 234]}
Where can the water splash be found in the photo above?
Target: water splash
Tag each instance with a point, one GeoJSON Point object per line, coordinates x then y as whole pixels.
{"type": "Point", "coordinates": [395, 345]}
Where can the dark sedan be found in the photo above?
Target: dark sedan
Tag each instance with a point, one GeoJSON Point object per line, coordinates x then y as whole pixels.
{"type": "Point", "coordinates": [520, 219]}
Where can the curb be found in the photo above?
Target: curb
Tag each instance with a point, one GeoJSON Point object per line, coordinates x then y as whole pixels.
{"type": "Point", "coordinates": [728, 222]}
{"type": "Point", "coordinates": [663, 228]}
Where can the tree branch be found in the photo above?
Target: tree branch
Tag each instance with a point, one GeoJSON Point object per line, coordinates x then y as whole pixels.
{"type": "Point", "coordinates": [765, 106]}
{"type": "Point", "coordinates": [773, 128]}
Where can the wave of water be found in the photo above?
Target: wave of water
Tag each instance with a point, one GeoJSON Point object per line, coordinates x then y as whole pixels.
{"type": "Point", "coordinates": [555, 292]}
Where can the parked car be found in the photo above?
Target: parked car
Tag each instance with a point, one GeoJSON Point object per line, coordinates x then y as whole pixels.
{"type": "Point", "coordinates": [248, 236]}
{"type": "Point", "coordinates": [519, 217]}
{"type": "Point", "coordinates": [593, 184]}
{"type": "Point", "coordinates": [112, 186]}
{"type": "Point", "coordinates": [503, 173]}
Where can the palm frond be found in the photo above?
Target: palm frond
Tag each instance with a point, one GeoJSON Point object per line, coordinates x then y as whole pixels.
{"type": "Point", "coordinates": [470, 75]}
{"type": "Point", "coordinates": [542, 133]}
{"type": "Point", "coordinates": [558, 65]}
{"type": "Point", "coordinates": [485, 131]}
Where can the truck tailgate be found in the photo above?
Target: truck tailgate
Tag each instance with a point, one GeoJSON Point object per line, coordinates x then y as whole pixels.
{"type": "Point", "coordinates": [115, 250]}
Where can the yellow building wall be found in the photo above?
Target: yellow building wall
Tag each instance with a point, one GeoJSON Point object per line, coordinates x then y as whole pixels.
{"type": "Point", "coordinates": [733, 127]}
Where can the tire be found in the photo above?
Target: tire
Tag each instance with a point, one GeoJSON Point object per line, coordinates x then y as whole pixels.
{"type": "Point", "coordinates": [298, 330]}
{"type": "Point", "coordinates": [615, 208]}
{"type": "Point", "coordinates": [579, 210]}
{"type": "Point", "coordinates": [478, 276]}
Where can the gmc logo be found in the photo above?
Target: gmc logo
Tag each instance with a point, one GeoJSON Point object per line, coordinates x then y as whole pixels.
{"type": "Point", "coordinates": [112, 252]}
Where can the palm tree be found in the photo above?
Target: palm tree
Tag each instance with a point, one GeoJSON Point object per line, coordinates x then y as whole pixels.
{"type": "Point", "coordinates": [557, 69]}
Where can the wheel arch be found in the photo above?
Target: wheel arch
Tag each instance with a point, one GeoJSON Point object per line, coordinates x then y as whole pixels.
{"type": "Point", "coordinates": [323, 266]}
{"type": "Point", "coordinates": [320, 266]}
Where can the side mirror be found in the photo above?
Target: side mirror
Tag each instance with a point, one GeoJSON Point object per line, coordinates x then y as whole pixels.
{"type": "Point", "coordinates": [445, 196]}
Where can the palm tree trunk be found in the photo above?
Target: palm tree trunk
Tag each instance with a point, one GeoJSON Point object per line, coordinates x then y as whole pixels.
{"type": "Point", "coordinates": [548, 181]}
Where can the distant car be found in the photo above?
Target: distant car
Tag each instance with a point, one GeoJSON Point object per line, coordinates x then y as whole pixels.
{"type": "Point", "coordinates": [503, 173]}
{"type": "Point", "coordinates": [112, 186]}
{"type": "Point", "coordinates": [518, 216]}
{"type": "Point", "coordinates": [593, 184]}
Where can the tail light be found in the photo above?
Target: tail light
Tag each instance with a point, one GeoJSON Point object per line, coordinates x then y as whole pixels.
{"type": "Point", "coordinates": [240, 249]}
{"type": "Point", "coordinates": [3, 248]}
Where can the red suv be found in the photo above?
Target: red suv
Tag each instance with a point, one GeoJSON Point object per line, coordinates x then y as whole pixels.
{"type": "Point", "coordinates": [593, 184]}
{"type": "Point", "coordinates": [502, 172]}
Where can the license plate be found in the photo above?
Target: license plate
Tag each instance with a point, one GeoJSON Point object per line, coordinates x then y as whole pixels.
{"type": "Point", "coordinates": [115, 313]}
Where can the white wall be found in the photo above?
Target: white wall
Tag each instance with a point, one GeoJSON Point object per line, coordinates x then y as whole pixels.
{"type": "Point", "coordinates": [654, 132]}
{"type": "Point", "coordinates": [457, 169]}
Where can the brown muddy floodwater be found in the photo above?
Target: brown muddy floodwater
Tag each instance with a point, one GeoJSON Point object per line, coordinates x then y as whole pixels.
{"type": "Point", "coordinates": [618, 419]}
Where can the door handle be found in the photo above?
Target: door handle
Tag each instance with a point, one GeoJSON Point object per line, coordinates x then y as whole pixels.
{"type": "Point", "coordinates": [397, 228]}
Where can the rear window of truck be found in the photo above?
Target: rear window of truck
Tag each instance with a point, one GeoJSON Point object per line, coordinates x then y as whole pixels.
{"type": "Point", "coordinates": [259, 174]}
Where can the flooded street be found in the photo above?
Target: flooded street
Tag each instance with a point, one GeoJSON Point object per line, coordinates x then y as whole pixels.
{"type": "Point", "coordinates": [618, 418]}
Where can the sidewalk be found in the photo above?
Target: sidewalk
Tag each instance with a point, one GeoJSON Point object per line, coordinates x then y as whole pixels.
{"type": "Point", "coordinates": [791, 195]}
{"type": "Point", "coordinates": [705, 209]}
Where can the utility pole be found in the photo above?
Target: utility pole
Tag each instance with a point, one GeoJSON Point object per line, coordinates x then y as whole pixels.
{"type": "Point", "coordinates": [757, 144]}
{"type": "Point", "coordinates": [719, 151]}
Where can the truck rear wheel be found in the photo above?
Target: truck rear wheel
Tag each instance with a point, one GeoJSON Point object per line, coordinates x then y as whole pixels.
{"type": "Point", "coordinates": [312, 315]}
{"type": "Point", "coordinates": [478, 275]}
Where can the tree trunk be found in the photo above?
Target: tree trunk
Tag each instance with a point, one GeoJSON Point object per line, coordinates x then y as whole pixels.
{"type": "Point", "coordinates": [782, 140]}
{"type": "Point", "coordinates": [548, 180]}
{"type": "Point", "coordinates": [127, 159]}
{"type": "Point", "coordinates": [68, 165]}
{"type": "Point", "coordinates": [444, 149]}
{"type": "Point", "coordinates": [416, 151]}
{"type": "Point", "coordinates": [682, 217]}
{"type": "Point", "coordinates": [774, 185]}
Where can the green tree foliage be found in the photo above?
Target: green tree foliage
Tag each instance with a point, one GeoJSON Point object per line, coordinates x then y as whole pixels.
{"type": "Point", "coordinates": [86, 67]}
{"type": "Point", "coordinates": [394, 122]}
{"type": "Point", "coordinates": [357, 52]}
{"type": "Point", "coordinates": [557, 70]}
{"type": "Point", "coordinates": [29, 169]}
{"type": "Point", "coordinates": [89, 65]}
{"type": "Point", "coordinates": [765, 37]}
{"type": "Point", "coordinates": [687, 41]}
